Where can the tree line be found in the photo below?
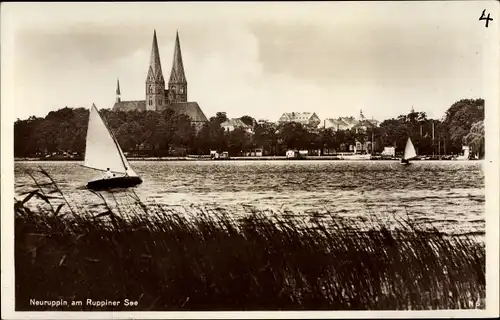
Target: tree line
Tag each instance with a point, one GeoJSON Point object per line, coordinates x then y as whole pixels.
{"type": "Point", "coordinates": [153, 133]}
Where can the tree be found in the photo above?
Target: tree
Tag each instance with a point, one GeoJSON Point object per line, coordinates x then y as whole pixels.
{"type": "Point", "coordinates": [265, 136]}
{"type": "Point", "coordinates": [293, 135]}
{"type": "Point", "coordinates": [211, 136]}
{"type": "Point", "coordinates": [249, 121]}
{"type": "Point", "coordinates": [329, 138]}
{"type": "Point", "coordinates": [349, 138]}
{"type": "Point", "coordinates": [184, 132]}
{"type": "Point", "coordinates": [65, 130]}
{"type": "Point", "coordinates": [361, 135]}
{"type": "Point", "coordinates": [25, 142]}
{"type": "Point", "coordinates": [129, 136]}
{"type": "Point", "coordinates": [395, 132]}
{"type": "Point", "coordinates": [458, 121]}
{"type": "Point", "coordinates": [475, 138]}
{"type": "Point", "coordinates": [220, 117]}
{"type": "Point", "coordinates": [238, 141]}
{"type": "Point", "coordinates": [201, 143]}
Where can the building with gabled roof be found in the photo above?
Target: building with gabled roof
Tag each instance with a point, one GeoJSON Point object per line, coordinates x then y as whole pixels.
{"type": "Point", "coordinates": [347, 123]}
{"type": "Point", "coordinates": [341, 123]}
{"type": "Point", "coordinates": [158, 98]}
{"type": "Point", "coordinates": [304, 118]}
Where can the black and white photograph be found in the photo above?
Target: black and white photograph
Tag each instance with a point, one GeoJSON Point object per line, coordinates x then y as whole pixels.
{"type": "Point", "coordinates": [266, 159]}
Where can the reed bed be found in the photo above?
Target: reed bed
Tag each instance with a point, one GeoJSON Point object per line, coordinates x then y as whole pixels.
{"type": "Point", "coordinates": [216, 261]}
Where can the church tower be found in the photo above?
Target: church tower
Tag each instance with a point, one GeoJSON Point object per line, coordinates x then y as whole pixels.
{"type": "Point", "coordinates": [177, 85]}
{"type": "Point", "coordinates": [155, 83]}
{"type": "Point", "coordinates": [118, 94]}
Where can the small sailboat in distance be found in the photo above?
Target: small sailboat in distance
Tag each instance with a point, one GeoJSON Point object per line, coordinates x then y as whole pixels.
{"type": "Point", "coordinates": [103, 153]}
{"type": "Point", "coordinates": [409, 152]}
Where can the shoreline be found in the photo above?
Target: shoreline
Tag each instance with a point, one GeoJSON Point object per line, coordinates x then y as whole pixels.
{"type": "Point", "coordinates": [266, 158]}
{"type": "Point", "coordinates": [263, 158]}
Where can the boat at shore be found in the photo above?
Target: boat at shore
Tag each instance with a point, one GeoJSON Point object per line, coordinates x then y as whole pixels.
{"type": "Point", "coordinates": [103, 153]}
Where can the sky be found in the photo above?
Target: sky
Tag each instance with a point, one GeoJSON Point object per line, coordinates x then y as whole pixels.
{"type": "Point", "coordinates": [257, 59]}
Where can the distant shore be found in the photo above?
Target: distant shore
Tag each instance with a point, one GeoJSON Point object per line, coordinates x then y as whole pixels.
{"type": "Point", "coordinates": [197, 158]}
{"type": "Point", "coordinates": [263, 158]}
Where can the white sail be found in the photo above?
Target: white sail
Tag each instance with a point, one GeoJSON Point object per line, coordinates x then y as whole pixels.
{"type": "Point", "coordinates": [409, 151]}
{"type": "Point", "coordinates": [102, 151]}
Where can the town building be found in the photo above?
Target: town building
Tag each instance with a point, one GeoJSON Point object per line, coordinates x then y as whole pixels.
{"type": "Point", "coordinates": [159, 98]}
{"type": "Point", "coordinates": [309, 119]}
{"type": "Point", "coordinates": [341, 123]}
{"type": "Point", "coordinates": [347, 123]}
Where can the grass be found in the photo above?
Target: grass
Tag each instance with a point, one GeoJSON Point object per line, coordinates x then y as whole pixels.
{"type": "Point", "coordinates": [216, 261]}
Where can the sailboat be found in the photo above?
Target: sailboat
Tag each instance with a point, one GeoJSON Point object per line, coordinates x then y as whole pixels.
{"type": "Point", "coordinates": [409, 152]}
{"type": "Point", "coordinates": [103, 153]}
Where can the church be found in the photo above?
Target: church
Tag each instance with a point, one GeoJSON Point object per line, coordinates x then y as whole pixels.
{"type": "Point", "coordinates": [158, 98]}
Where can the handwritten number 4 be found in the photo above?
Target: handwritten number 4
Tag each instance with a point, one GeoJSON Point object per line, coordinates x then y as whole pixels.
{"type": "Point", "coordinates": [488, 19]}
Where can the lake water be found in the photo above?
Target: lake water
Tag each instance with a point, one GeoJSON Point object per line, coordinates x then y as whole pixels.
{"type": "Point", "coordinates": [449, 195]}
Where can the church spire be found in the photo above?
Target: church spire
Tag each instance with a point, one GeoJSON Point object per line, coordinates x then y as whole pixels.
{"type": "Point", "coordinates": [177, 85]}
{"type": "Point", "coordinates": [154, 61]}
{"type": "Point", "coordinates": [118, 93]}
{"type": "Point", "coordinates": [177, 75]}
{"type": "Point", "coordinates": [155, 83]}
{"type": "Point", "coordinates": [118, 87]}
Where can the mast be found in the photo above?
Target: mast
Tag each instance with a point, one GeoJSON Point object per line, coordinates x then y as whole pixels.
{"type": "Point", "coordinates": [372, 142]}
{"type": "Point", "coordinates": [439, 147]}
{"type": "Point", "coordinates": [433, 147]}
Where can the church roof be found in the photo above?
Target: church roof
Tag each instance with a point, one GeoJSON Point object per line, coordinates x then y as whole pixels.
{"type": "Point", "coordinates": [154, 61]}
{"type": "Point", "coordinates": [177, 75]}
{"type": "Point", "coordinates": [191, 109]}
{"type": "Point", "coordinates": [139, 105]}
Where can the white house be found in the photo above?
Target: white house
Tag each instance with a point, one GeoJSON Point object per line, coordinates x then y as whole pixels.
{"type": "Point", "coordinates": [291, 154]}
{"type": "Point", "coordinates": [389, 151]}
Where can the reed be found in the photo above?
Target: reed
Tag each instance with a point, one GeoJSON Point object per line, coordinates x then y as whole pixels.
{"type": "Point", "coordinates": [213, 260]}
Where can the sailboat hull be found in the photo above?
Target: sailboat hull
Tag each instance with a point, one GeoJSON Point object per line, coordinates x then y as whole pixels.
{"type": "Point", "coordinates": [118, 182]}
{"type": "Point", "coordinates": [405, 162]}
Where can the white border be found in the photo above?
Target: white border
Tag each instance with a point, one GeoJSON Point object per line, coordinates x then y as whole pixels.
{"type": "Point", "coordinates": [491, 71]}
